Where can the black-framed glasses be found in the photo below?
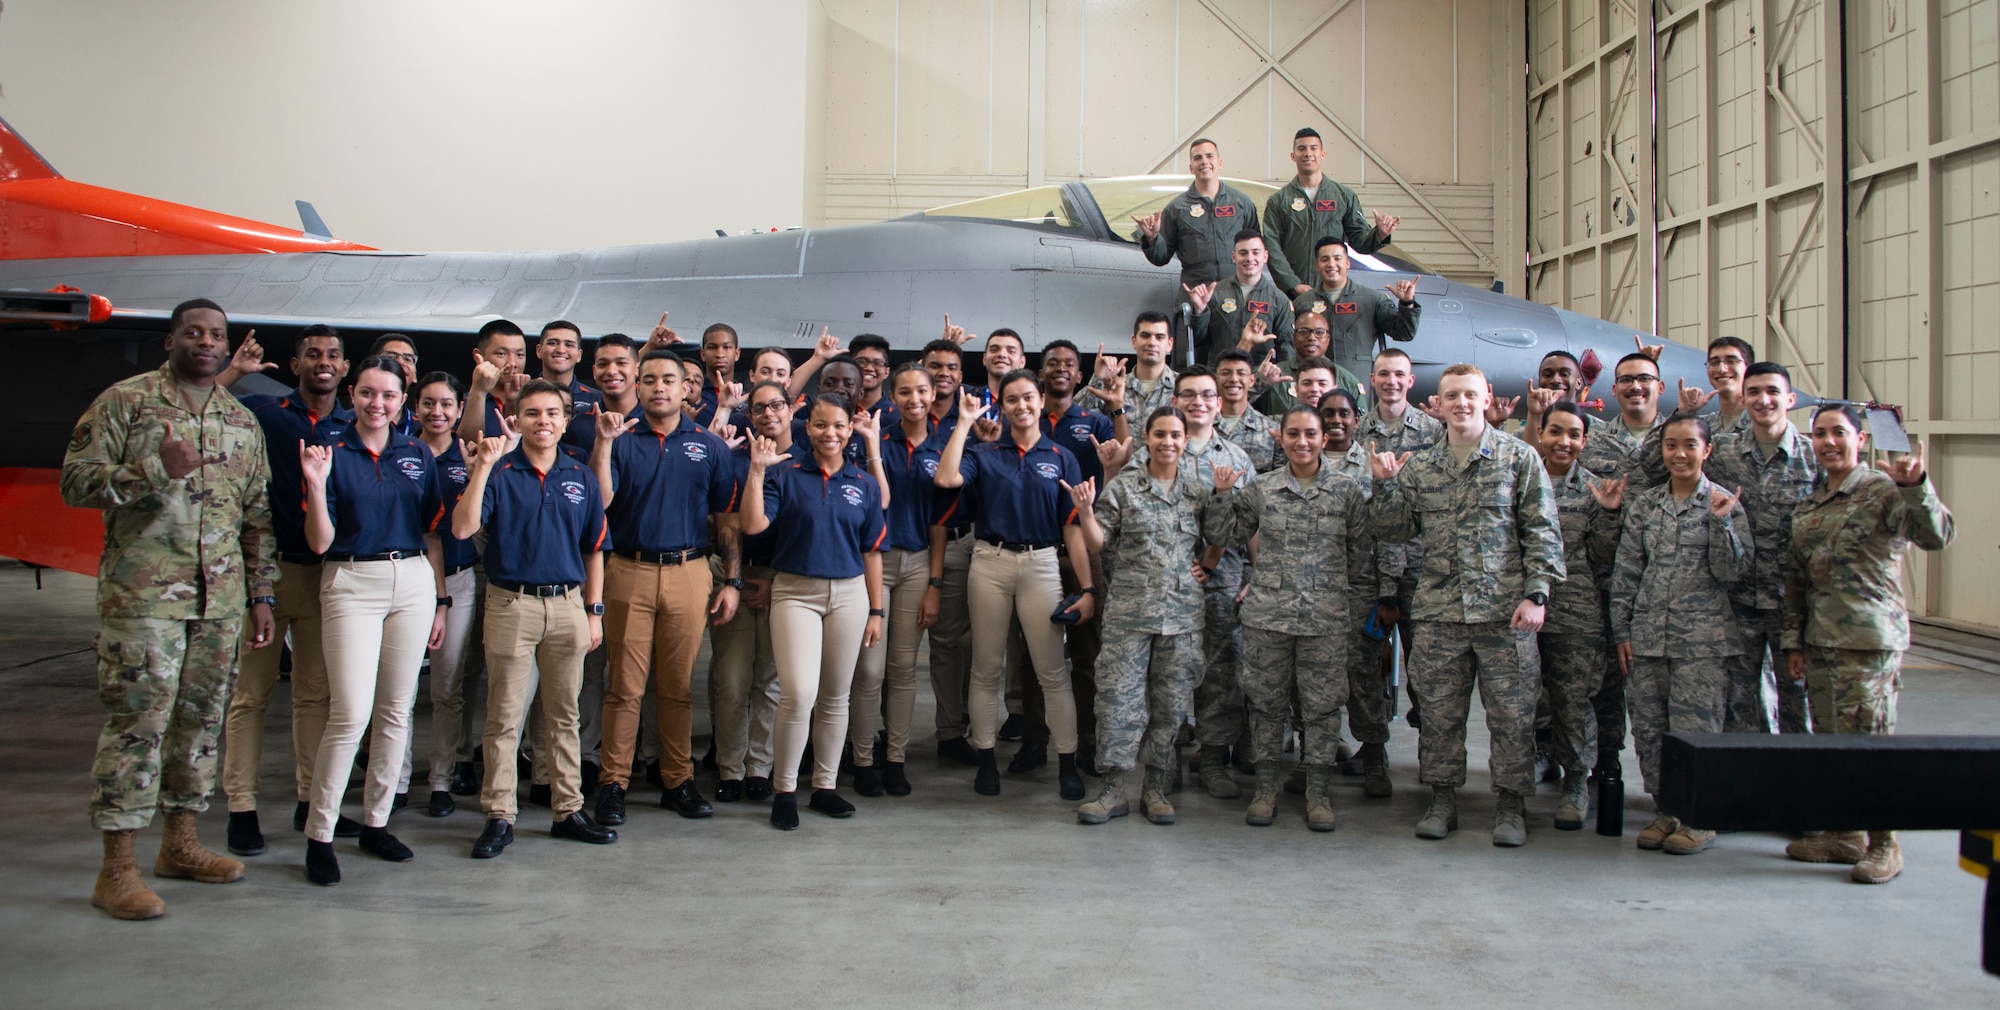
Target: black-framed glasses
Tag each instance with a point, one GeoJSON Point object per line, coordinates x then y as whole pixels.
{"type": "Point", "coordinates": [768, 407]}
{"type": "Point", "coordinates": [1635, 380]}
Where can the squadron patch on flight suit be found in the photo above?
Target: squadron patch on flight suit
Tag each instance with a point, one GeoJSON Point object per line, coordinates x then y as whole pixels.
{"type": "Point", "coordinates": [1194, 210]}
{"type": "Point", "coordinates": [1319, 307]}
{"type": "Point", "coordinates": [1226, 210]}
{"type": "Point", "coordinates": [1298, 203]}
{"type": "Point", "coordinates": [1327, 206]}
{"type": "Point", "coordinates": [1229, 305]}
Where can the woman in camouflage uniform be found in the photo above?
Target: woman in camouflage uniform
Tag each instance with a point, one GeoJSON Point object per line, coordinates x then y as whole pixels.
{"type": "Point", "coordinates": [1683, 543]}
{"type": "Point", "coordinates": [1845, 622]}
{"type": "Point", "coordinates": [1148, 528]}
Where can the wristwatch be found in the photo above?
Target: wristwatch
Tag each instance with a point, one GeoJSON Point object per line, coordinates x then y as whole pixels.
{"type": "Point", "coordinates": [1539, 599]}
{"type": "Point", "coordinates": [269, 601]}
{"type": "Point", "coordinates": [1094, 590]}
{"type": "Point", "coordinates": [445, 602]}
{"type": "Point", "coordinates": [594, 609]}
{"type": "Point", "coordinates": [1120, 412]}
{"type": "Point", "coordinates": [937, 583]}
{"type": "Point", "coordinates": [733, 582]}
{"type": "Point", "coordinates": [876, 612]}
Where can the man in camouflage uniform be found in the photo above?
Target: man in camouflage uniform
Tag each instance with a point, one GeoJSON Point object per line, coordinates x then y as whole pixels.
{"type": "Point", "coordinates": [1278, 389]}
{"type": "Point", "coordinates": [1358, 318]}
{"type": "Point", "coordinates": [1482, 503]}
{"type": "Point", "coordinates": [1245, 311]}
{"type": "Point", "coordinates": [1846, 625]}
{"type": "Point", "coordinates": [1773, 468]}
{"type": "Point", "coordinates": [1311, 208]}
{"type": "Point", "coordinates": [178, 467]}
{"type": "Point", "coordinates": [1613, 453]}
{"type": "Point", "coordinates": [1392, 424]}
{"type": "Point", "coordinates": [1370, 705]}
{"type": "Point", "coordinates": [1150, 534]}
{"type": "Point", "coordinates": [1148, 384]}
{"type": "Point", "coordinates": [1253, 431]}
{"type": "Point", "coordinates": [1198, 227]}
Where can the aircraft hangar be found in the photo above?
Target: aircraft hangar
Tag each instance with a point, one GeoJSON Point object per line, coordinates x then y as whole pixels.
{"type": "Point", "coordinates": [1818, 177]}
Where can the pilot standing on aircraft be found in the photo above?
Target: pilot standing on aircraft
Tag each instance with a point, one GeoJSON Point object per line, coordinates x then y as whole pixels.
{"type": "Point", "coordinates": [180, 474]}
{"type": "Point", "coordinates": [1311, 209]}
{"type": "Point", "coordinates": [1199, 226]}
{"type": "Point", "coordinates": [1246, 312]}
{"type": "Point", "coordinates": [1357, 317]}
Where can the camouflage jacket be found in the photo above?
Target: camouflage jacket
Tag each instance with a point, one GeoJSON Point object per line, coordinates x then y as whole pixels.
{"type": "Point", "coordinates": [1200, 463]}
{"type": "Point", "coordinates": [1314, 573]}
{"type": "Point", "coordinates": [1294, 222]}
{"type": "Point", "coordinates": [1843, 573]}
{"type": "Point", "coordinates": [1139, 404]}
{"type": "Point", "coordinates": [1412, 432]}
{"type": "Point", "coordinates": [1772, 490]}
{"type": "Point", "coordinates": [1200, 232]}
{"type": "Point", "coordinates": [1358, 317]}
{"type": "Point", "coordinates": [1152, 535]}
{"type": "Point", "coordinates": [1489, 528]}
{"type": "Point", "coordinates": [196, 548]}
{"type": "Point", "coordinates": [1613, 452]}
{"type": "Point", "coordinates": [1218, 327]}
{"type": "Point", "coordinates": [1590, 542]}
{"type": "Point", "coordinates": [1254, 432]}
{"type": "Point", "coordinates": [1670, 583]}
{"type": "Point", "coordinates": [1388, 560]}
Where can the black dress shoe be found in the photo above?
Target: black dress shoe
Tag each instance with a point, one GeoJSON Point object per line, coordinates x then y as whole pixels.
{"type": "Point", "coordinates": [380, 842]}
{"type": "Point", "coordinates": [757, 789]}
{"type": "Point", "coordinates": [539, 795]}
{"type": "Point", "coordinates": [785, 811]}
{"type": "Point", "coordinates": [708, 758]}
{"type": "Point", "coordinates": [867, 782]}
{"type": "Point", "coordinates": [343, 825]}
{"type": "Point", "coordinates": [591, 774]}
{"type": "Point", "coordinates": [728, 790]}
{"type": "Point", "coordinates": [611, 804]}
{"type": "Point", "coordinates": [1032, 755]}
{"type": "Point", "coordinates": [577, 827]}
{"type": "Point", "coordinates": [1013, 727]}
{"type": "Point", "coordinates": [463, 782]}
{"type": "Point", "coordinates": [1067, 780]}
{"type": "Point", "coordinates": [497, 835]}
{"type": "Point", "coordinates": [893, 779]}
{"type": "Point", "coordinates": [986, 781]}
{"type": "Point", "coordinates": [830, 803]}
{"type": "Point", "coordinates": [441, 804]}
{"type": "Point", "coordinates": [958, 749]}
{"type": "Point", "coordinates": [322, 866]}
{"type": "Point", "coordinates": [683, 799]}
{"type": "Point", "coordinates": [653, 775]}
{"type": "Point", "coordinates": [246, 838]}
{"type": "Point", "coordinates": [402, 800]}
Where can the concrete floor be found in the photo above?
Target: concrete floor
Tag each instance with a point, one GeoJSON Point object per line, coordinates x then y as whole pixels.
{"type": "Point", "coordinates": [947, 898]}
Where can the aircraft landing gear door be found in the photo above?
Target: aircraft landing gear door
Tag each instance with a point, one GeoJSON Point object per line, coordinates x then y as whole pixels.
{"type": "Point", "coordinates": [1057, 291]}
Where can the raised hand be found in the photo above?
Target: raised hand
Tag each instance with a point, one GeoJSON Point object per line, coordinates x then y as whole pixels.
{"type": "Point", "coordinates": [969, 404]}
{"type": "Point", "coordinates": [610, 425]}
{"type": "Point", "coordinates": [510, 436]}
{"type": "Point", "coordinates": [764, 452]}
{"type": "Point", "coordinates": [1907, 469]}
{"type": "Point", "coordinates": [1720, 502]}
{"type": "Point", "coordinates": [1540, 400]}
{"type": "Point", "coordinates": [1199, 295]}
{"type": "Point", "coordinates": [1693, 399]}
{"type": "Point", "coordinates": [1649, 350]}
{"type": "Point", "coordinates": [248, 359]}
{"type": "Point", "coordinates": [1610, 494]}
{"type": "Point", "coordinates": [1255, 332]}
{"type": "Point", "coordinates": [986, 429]}
{"type": "Point", "coordinates": [827, 347]}
{"type": "Point", "coordinates": [182, 458]}
{"type": "Point", "coordinates": [955, 334]}
{"type": "Point", "coordinates": [1083, 493]}
{"type": "Point", "coordinates": [316, 462]}
{"type": "Point", "coordinates": [1113, 453]}
{"type": "Point", "coordinates": [1385, 465]}
{"type": "Point", "coordinates": [488, 450]}
{"type": "Point", "coordinates": [868, 424]}
{"type": "Point", "coordinates": [485, 376]}
{"type": "Point", "coordinates": [1225, 477]}
{"type": "Point", "coordinates": [661, 336]}
{"type": "Point", "coordinates": [1149, 225]}
{"type": "Point", "coordinates": [1385, 224]}
{"type": "Point", "coordinates": [1108, 378]}
{"type": "Point", "coordinates": [1499, 408]}
{"type": "Point", "coordinates": [727, 433]}
{"type": "Point", "coordinates": [1269, 373]}
{"type": "Point", "coordinates": [1405, 291]}
{"type": "Point", "coordinates": [1433, 406]}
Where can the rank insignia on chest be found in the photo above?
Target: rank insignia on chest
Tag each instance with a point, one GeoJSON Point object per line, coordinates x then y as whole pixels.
{"type": "Point", "coordinates": [1195, 210]}
{"type": "Point", "coordinates": [1298, 203]}
{"type": "Point", "coordinates": [1326, 206]}
{"type": "Point", "coordinates": [1345, 308]}
{"type": "Point", "coordinates": [1229, 305]}
{"type": "Point", "coordinates": [1260, 308]}
{"type": "Point", "coordinates": [1225, 211]}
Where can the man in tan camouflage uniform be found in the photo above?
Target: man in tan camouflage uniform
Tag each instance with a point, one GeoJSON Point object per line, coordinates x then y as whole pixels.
{"type": "Point", "coordinates": [1393, 424]}
{"type": "Point", "coordinates": [178, 467]}
{"type": "Point", "coordinates": [1369, 704]}
{"type": "Point", "coordinates": [1148, 384]}
{"type": "Point", "coordinates": [1481, 501]}
{"type": "Point", "coordinates": [1253, 431]}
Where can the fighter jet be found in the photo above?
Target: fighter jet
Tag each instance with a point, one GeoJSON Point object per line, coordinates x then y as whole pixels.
{"type": "Point", "coordinates": [1055, 261]}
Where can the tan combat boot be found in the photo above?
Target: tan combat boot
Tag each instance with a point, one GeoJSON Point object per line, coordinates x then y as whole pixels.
{"type": "Point", "coordinates": [1830, 847]}
{"type": "Point", "coordinates": [1153, 800]}
{"type": "Point", "coordinates": [181, 854]}
{"type": "Point", "coordinates": [1654, 835]}
{"type": "Point", "coordinates": [1441, 817]}
{"type": "Point", "coordinates": [1319, 798]}
{"type": "Point", "coordinates": [1110, 801]}
{"type": "Point", "coordinates": [1263, 807]}
{"type": "Point", "coordinates": [119, 891]}
{"type": "Point", "coordinates": [1884, 861]}
{"type": "Point", "coordinates": [1215, 774]}
{"type": "Point", "coordinates": [1687, 841]}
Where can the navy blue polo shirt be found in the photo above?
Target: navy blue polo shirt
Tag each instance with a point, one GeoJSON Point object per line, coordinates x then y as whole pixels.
{"type": "Point", "coordinates": [286, 422]}
{"type": "Point", "coordinates": [539, 526]}
{"type": "Point", "coordinates": [855, 453]}
{"type": "Point", "coordinates": [493, 415]}
{"type": "Point", "coordinates": [914, 500]}
{"type": "Point", "coordinates": [954, 510]}
{"type": "Point", "coordinates": [665, 484]}
{"type": "Point", "coordinates": [582, 430]}
{"type": "Point", "coordinates": [757, 546]}
{"type": "Point", "coordinates": [452, 477]}
{"type": "Point", "coordinates": [824, 522]}
{"type": "Point", "coordinates": [704, 415]}
{"type": "Point", "coordinates": [382, 503]}
{"type": "Point", "coordinates": [1072, 429]}
{"type": "Point", "coordinates": [583, 398]}
{"type": "Point", "coordinates": [1016, 492]}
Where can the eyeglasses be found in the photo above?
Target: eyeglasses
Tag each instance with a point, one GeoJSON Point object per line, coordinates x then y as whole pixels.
{"type": "Point", "coordinates": [767, 407]}
{"type": "Point", "coordinates": [408, 359]}
{"type": "Point", "coordinates": [1635, 380]}
{"type": "Point", "coordinates": [1317, 331]}
{"type": "Point", "coordinates": [1204, 394]}
{"type": "Point", "coordinates": [872, 364]}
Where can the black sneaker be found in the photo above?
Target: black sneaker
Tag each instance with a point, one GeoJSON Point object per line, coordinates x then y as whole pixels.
{"type": "Point", "coordinates": [785, 811]}
{"type": "Point", "coordinates": [893, 779]}
{"type": "Point", "coordinates": [611, 804]}
{"type": "Point", "coordinates": [729, 790]}
{"type": "Point", "coordinates": [757, 789]}
{"type": "Point", "coordinates": [830, 803]}
{"type": "Point", "coordinates": [246, 837]}
{"type": "Point", "coordinates": [441, 804]}
{"type": "Point", "coordinates": [867, 782]}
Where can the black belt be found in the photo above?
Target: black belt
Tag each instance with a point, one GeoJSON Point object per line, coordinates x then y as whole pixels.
{"type": "Point", "coordinates": [455, 569]}
{"type": "Point", "coordinates": [558, 589]}
{"type": "Point", "coordinates": [1010, 545]}
{"type": "Point", "coordinates": [664, 557]}
{"type": "Point", "coordinates": [390, 556]}
{"type": "Point", "coordinates": [299, 559]}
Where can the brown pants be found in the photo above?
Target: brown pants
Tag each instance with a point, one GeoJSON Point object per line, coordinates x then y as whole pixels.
{"type": "Point", "coordinates": [525, 634]}
{"type": "Point", "coordinates": [297, 612]}
{"type": "Point", "coordinates": [653, 618]}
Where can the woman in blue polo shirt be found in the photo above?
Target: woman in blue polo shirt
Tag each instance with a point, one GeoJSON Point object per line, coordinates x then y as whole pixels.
{"type": "Point", "coordinates": [373, 501]}
{"type": "Point", "coordinates": [1016, 487]}
{"type": "Point", "coordinates": [826, 600]}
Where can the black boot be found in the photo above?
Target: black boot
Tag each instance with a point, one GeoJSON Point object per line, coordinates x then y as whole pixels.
{"type": "Point", "coordinates": [785, 811]}
{"type": "Point", "coordinates": [463, 782]}
{"type": "Point", "coordinates": [246, 838]}
{"type": "Point", "coordinates": [1067, 779]}
{"type": "Point", "coordinates": [986, 781]}
{"type": "Point", "coordinates": [1032, 755]}
{"type": "Point", "coordinates": [322, 866]}
{"type": "Point", "coordinates": [893, 779]}
{"type": "Point", "coordinates": [867, 780]}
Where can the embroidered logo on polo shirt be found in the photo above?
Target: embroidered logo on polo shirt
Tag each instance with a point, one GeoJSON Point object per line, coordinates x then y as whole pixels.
{"type": "Point", "coordinates": [413, 468]}
{"type": "Point", "coordinates": [456, 474]}
{"type": "Point", "coordinates": [929, 467]}
{"type": "Point", "coordinates": [1047, 471]}
{"type": "Point", "coordinates": [573, 490]}
{"type": "Point", "coordinates": [696, 451]}
{"type": "Point", "coordinates": [1081, 430]}
{"type": "Point", "coordinates": [851, 494]}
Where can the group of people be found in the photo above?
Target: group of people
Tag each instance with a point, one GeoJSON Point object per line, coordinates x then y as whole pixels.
{"type": "Point", "coordinates": [1230, 552]}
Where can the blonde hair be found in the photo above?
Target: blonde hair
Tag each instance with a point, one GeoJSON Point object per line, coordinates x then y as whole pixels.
{"type": "Point", "coordinates": [1462, 368]}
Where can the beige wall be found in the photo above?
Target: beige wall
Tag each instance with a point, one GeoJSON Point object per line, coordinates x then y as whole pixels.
{"type": "Point", "coordinates": [440, 124]}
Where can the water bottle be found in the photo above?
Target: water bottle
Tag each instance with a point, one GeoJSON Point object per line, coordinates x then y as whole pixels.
{"type": "Point", "coordinates": [1610, 801]}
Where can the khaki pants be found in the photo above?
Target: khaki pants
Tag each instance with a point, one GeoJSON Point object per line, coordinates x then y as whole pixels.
{"type": "Point", "coordinates": [653, 617]}
{"type": "Point", "coordinates": [1003, 584]}
{"type": "Point", "coordinates": [296, 612]}
{"type": "Point", "coordinates": [589, 718]}
{"type": "Point", "coordinates": [525, 634]}
{"type": "Point", "coordinates": [951, 642]}
{"type": "Point", "coordinates": [448, 668]}
{"type": "Point", "coordinates": [375, 620]}
{"type": "Point", "coordinates": [890, 665]}
{"type": "Point", "coordinates": [164, 685]}
{"type": "Point", "coordinates": [743, 690]}
{"type": "Point", "coordinates": [816, 628]}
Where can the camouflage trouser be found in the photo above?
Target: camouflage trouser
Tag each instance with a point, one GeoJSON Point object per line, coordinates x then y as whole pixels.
{"type": "Point", "coordinates": [1572, 672]}
{"type": "Point", "coordinates": [1760, 664]}
{"type": "Point", "coordinates": [1218, 703]}
{"type": "Point", "coordinates": [1672, 696]}
{"type": "Point", "coordinates": [1853, 690]}
{"type": "Point", "coordinates": [1446, 661]}
{"type": "Point", "coordinates": [1369, 707]}
{"type": "Point", "coordinates": [1145, 686]}
{"type": "Point", "coordinates": [165, 687]}
{"type": "Point", "coordinates": [1276, 667]}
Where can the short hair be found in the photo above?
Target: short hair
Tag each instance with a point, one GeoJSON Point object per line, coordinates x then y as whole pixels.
{"type": "Point", "coordinates": [720, 328]}
{"type": "Point", "coordinates": [498, 328]}
{"type": "Point", "coordinates": [834, 400]}
{"type": "Point", "coordinates": [1767, 368]}
{"type": "Point", "coordinates": [1845, 410]}
{"type": "Point", "coordinates": [1006, 332]}
{"type": "Point", "coordinates": [563, 324]}
{"type": "Point", "coordinates": [1312, 412]}
{"type": "Point", "coordinates": [616, 340]}
{"type": "Point", "coordinates": [1700, 423]}
{"type": "Point", "coordinates": [779, 351]}
{"type": "Point", "coordinates": [1198, 141]}
{"type": "Point", "coordinates": [1150, 316]}
{"type": "Point", "coordinates": [174, 318]}
{"type": "Point", "coordinates": [1061, 345]}
{"type": "Point", "coordinates": [1564, 354]}
{"type": "Point", "coordinates": [1341, 393]}
{"type": "Point", "coordinates": [1017, 375]}
{"type": "Point", "coordinates": [380, 345]}
{"type": "Point", "coordinates": [1245, 235]}
{"type": "Point", "coordinates": [943, 346]}
{"type": "Point", "coordinates": [1237, 355]}
{"type": "Point", "coordinates": [660, 354]}
{"type": "Point", "coordinates": [1164, 410]}
{"type": "Point", "coordinates": [323, 330]}
{"type": "Point", "coordinates": [869, 342]}
{"type": "Point", "coordinates": [1316, 362]}
{"type": "Point", "coordinates": [1194, 371]}
{"type": "Point", "coordinates": [1327, 240]}
{"type": "Point", "coordinates": [784, 395]}
{"type": "Point", "coordinates": [1566, 407]}
{"type": "Point", "coordinates": [378, 363]}
{"type": "Point", "coordinates": [536, 387]}
{"type": "Point", "coordinates": [841, 359]}
{"type": "Point", "coordinates": [452, 381]}
{"type": "Point", "coordinates": [1462, 368]}
{"type": "Point", "coordinates": [1636, 356]}
{"type": "Point", "coordinates": [1390, 352]}
{"type": "Point", "coordinates": [1742, 346]}
{"type": "Point", "coordinates": [1305, 132]}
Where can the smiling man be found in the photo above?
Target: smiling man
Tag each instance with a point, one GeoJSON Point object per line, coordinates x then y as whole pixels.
{"type": "Point", "coordinates": [1311, 209]}
{"type": "Point", "coordinates": [1198, 227]}
{"type": "Point", "coordinates": [1358, 317]}
{"type": "Point", "coordinates": [1246, 311]}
